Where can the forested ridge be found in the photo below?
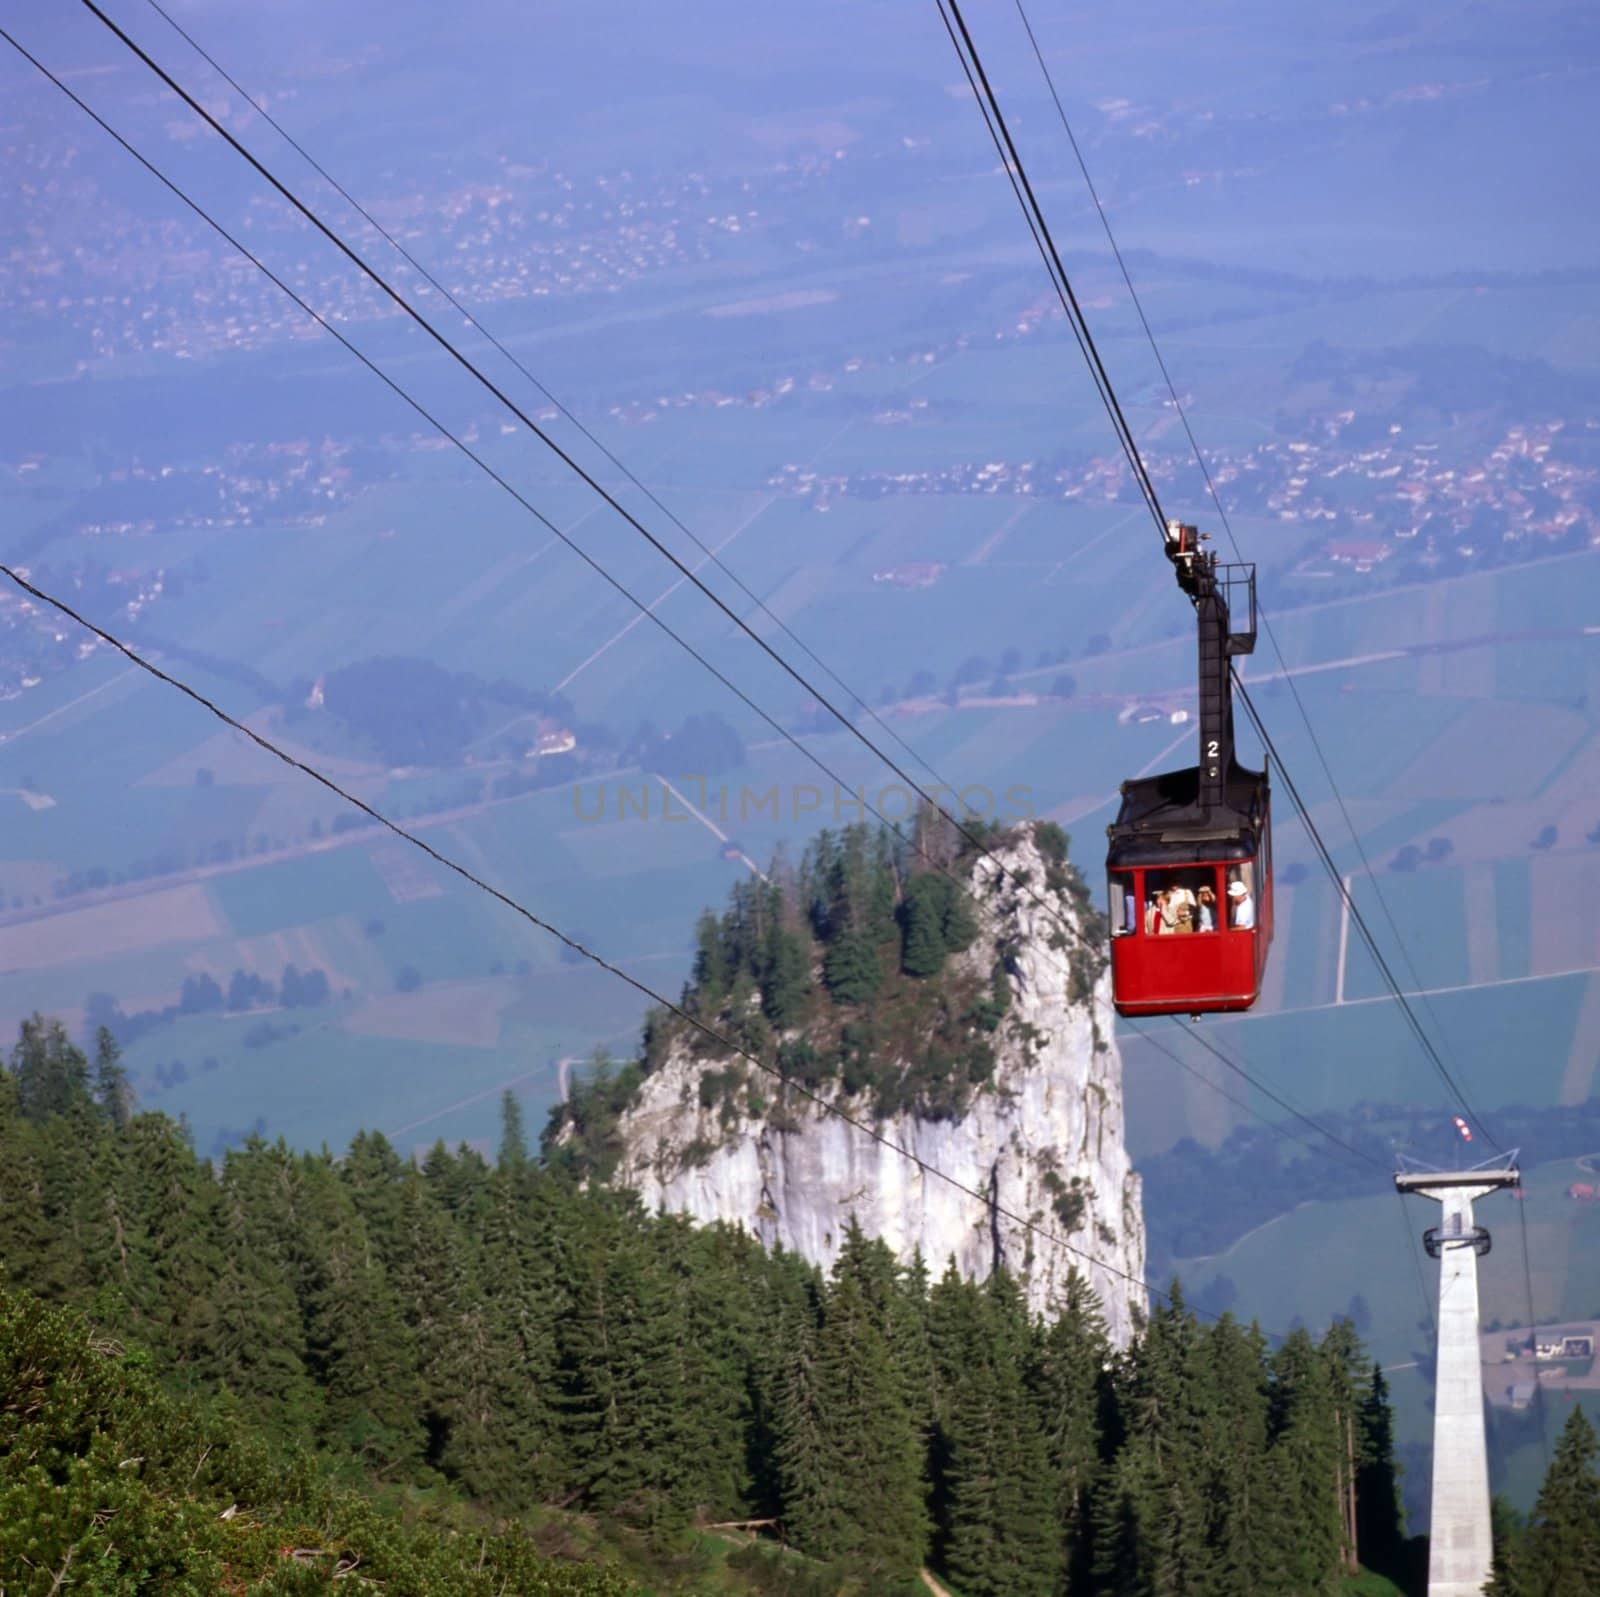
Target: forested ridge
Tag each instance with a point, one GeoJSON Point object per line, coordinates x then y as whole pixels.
{"type": "Point", "coordinates": [844, 972]}
{"type": "Point", "coordinates": [493, 1332]}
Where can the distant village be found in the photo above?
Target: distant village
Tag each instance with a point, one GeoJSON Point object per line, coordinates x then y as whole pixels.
{"type": "Point", "coordinates": [529, 232]}
{"type": "Point", "coordinates": [1375, 500]}
{"type": "Point", "coordinates": [1522, 491]}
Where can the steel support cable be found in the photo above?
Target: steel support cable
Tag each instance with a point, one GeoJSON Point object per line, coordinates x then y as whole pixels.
{"type": "Point", "coordinates": [432, 421]}
{"type": "Point", "coordinates": [964, 887]}
{"type": "Point", "coordinates": [1521, 1198]}
{"type": "Point", "coordinates": [1283, 1103]}
{"type": "Point", "coordinates": [1416, 1260]}
{"type": "Point", "coordinates": [587, 478]}
{"type": "Point", "coordinates": [477, 459]}
{"type": "Point", "coordinates": [1063, 289]}
{"type": "Point", "coordinates": [199, 211]}
{"type": "Point", "coordinates": [376, 815]}
{"type": "Point", "coordinates": [1239, 1103]}
{"type": "Point", "coordinates": [1066, 926]}
{"type": "Point", "coordinates": [1216, 500]}
{"type": "Point", "coordinates": [1272, 637]}
{"type": "Point", "coordinates": [1360, 922]}
{"type": "Point", "coordinates": [537, 383]}
{"type": "Point", "coordinates": [410, 837]}
{"type": "Point", "coordinates": [573, 465]}
{"type": "Point", "coordinates": [1102, 378]}
{"type": "Point", "coordinates": [1016, 172]}
{"type": "Point", "coordinates": [483, 885]}
{"type": "Point", "coordinates": [1222, 515]}
{"type": "Point", "coordinates": [400, 301]}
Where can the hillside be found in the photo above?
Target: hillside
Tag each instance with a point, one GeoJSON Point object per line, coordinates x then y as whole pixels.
{"type": "Point", "coordinates": [109, 1484]}
{"type": "Point", "coordinates": [463, 1330]}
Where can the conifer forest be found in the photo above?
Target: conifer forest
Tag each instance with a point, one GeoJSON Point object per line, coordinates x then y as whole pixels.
{"type": "Point", "coordinates": [283, 1368]}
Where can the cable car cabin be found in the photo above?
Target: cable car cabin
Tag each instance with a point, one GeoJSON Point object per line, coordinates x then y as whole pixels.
{"type": "Point", "coordinates": [1190, 895]}
{"type": "Point", "coordinates": [1190, 853]}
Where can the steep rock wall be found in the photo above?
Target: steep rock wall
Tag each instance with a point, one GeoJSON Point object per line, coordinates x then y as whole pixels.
{"type": "Point", "coordinates": [1043, 1138]}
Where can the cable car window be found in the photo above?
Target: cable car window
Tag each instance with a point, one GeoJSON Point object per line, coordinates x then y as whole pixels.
{"type": "Point", "coordinates": [1242, 897]}
{"type": "Point", "coordinates": [1121, 905]}
{"type": "Point", "coordinates": [1180, 900]}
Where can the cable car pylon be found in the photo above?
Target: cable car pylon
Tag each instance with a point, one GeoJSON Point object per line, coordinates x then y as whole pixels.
{"type": "Point", "coordinates": [1189, 861]}
{"type": "Point", "coordinates": [1460, 1539]}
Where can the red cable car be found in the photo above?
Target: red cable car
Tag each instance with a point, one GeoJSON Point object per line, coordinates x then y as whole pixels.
{"type": "Point", "coordinates": [1190, 856]}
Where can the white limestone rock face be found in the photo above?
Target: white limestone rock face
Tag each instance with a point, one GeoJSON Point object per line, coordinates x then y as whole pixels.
{"type": "Point", "coordinates": [1043, 1139]}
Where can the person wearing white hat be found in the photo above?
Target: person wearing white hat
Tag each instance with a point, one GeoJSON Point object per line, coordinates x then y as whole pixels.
{"type": "Point", "coordinates": [1241, 906]}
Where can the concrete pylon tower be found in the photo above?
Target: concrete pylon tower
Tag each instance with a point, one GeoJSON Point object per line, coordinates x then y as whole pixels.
{"type": "Point", "coordinates": [1460, 1546]}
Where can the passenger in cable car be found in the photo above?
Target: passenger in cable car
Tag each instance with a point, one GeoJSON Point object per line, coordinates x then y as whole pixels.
{"type": "Point", "coordinates": [1206, 910]}
{"type": "Point", "coordinates": [1177, 914]}
{"type": "Point", "coordinates": [1242, 906]}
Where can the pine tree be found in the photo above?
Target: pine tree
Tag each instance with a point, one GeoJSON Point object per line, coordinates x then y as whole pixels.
{"type": "Point", "coordinates": [1559, 1554]}
{"type": "Point", "coordinates": [786, 976]}
{"type": "Point", "coordinates": [52, 1075]}
{"type": "Point", "coordinates": [1305, 1529]}
{"type": "Point", "coordinates": [1155, 1518]}
{"type": "Point", "coordinates": [429, 1274]}
{"type": "Point", "coordinates": [707, 1270]}
{"type": "Point", "coordinates": [1346, 1361]}
{"type": "Point", "coordinates": [357, 1343]}
{"type": "Point", "coordinates": [108, 1230]}
{"type": "Point", "coordinates": [375, 1176]}
{"type": "Point", "coordinates": [922, 948]}
{"type": "Point", "coordinates": [957, 925]}
{"type": "Point", "coordinates": [534, 1341]}
{"type": "Point", "coordinates": [999, 1493]}
{"type": "Point", "coordinates": [783, 1299]}
{"type": "Point", "coordinates": [460, 1181]}
{"type": "Point", "coordinates": [620, 1353]}
{"type": "Point", "coordinates": [851, 968]}
{"type": "Point", "coordinates": [258, 1339]}
{"type": "Point", "coordinates": [511, 1451]}
{"type": "Point", "coordinates": [851, 1448]}
{"type": "Point", "coordinates": [1235, 1449]}
{"type": "Point", "coordinates": [111, 1088]}
{"type": "Point", "coordinates": [176, 1198]}
{"type": "Point", "coordinates": [713, 971]}
{"type": "Point", "coordinates": [1507, 1527]}
{"type": "Point", "coordinates": [1380, 1523]}
{"type": "Point", "coordinates": [513, 1156]}
{"type": "Point", "coordinates": [1069, 1384]}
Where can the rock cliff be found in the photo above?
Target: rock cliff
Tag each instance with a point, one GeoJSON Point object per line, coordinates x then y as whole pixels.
{"type": "Point", "coordinates": [1041, 1134]}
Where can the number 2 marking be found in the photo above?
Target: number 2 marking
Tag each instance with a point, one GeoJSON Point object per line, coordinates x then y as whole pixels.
{"type": "Point", "coordinates": [1212, 748]}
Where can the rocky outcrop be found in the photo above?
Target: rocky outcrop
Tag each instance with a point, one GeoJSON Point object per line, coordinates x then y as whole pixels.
{"type": "Point", "coordinates": [1041, 1139]}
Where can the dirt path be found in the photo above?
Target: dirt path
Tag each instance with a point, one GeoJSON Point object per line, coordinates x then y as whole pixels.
{"type": "Point", "coordinates": [933, 1585]}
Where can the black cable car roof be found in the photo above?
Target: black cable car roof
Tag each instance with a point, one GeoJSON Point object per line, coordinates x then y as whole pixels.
{"type": "Point", "coordinates": [1161, 821]}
